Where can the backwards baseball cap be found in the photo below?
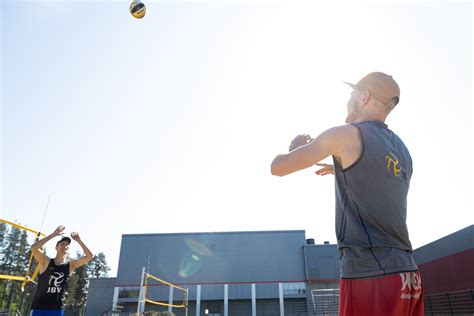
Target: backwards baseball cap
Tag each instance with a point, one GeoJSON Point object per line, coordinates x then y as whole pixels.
{"type": "Point", "coordinates": [64, 239]}
{"type": "Point", "coordinates": [381, 86]}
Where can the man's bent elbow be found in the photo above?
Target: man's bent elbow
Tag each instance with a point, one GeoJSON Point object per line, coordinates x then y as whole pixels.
{"type": "Point", "coordinates": [276, 172]}
{"type": "Point", "coordinates": [276, 169]}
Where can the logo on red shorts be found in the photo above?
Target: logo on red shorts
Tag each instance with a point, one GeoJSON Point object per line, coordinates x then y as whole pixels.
{"type": "Point", "coordinates": [411, 285]}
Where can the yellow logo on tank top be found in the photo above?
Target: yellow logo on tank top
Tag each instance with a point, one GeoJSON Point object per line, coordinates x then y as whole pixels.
{"type": "Point", "coordinates": [392, 160]}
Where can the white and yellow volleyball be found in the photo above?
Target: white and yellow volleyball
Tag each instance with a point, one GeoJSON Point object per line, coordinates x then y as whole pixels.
{"type": "Point", "coordinates": [137, 9]}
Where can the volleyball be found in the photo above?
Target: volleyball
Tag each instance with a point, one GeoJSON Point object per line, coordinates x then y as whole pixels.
{"type": "Point", "coordinates": [137, 9]}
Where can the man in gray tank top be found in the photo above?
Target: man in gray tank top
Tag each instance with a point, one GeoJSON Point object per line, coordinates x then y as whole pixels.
{"type": "Point", "coordinates": [372, 169]}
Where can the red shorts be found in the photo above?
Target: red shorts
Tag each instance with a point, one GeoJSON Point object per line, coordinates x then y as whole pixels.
{"type": "Point", "coordinates": [395, 294]}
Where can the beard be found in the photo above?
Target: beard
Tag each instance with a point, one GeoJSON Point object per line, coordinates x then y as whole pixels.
{"type": "Point", "coordinates": [350, 118]}
{"type": "Point", "coordinates": [351, 111]}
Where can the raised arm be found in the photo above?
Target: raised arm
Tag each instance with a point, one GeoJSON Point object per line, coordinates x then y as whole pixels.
{"type": "Point", "coordinates": [74, 264]}
{"type": "Point", "coordinates": [341, 142]}
{"type": "Point", "coordinates": [42, 259]}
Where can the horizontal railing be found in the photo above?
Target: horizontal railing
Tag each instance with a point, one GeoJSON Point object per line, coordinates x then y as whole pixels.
{"type": "Point", "coordinates": [450, 303]}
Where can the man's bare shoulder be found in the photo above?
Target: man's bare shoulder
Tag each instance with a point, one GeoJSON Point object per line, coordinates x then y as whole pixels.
{"type": "Point", "coordinates": [342, 132]}
{"type": "Point", "coordinates": [347, 144]}
{"type": "Point", "coordinates": [344, 143]}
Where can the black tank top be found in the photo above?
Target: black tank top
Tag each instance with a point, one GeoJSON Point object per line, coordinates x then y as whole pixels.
{"type": "Point", "coordinates": [52, 285]}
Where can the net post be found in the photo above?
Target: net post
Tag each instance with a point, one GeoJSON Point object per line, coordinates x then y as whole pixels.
{"type": "Point", "coordinates": [141, 302]}
{"type": "Point", "coordinates": [186, 299]}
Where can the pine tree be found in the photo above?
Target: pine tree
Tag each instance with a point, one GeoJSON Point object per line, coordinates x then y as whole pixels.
{"type": "Point", "coordinates": [14, 260]}
{"type": "Point", "coordinates": [76, 294]}
{"type": "Point", "coordinates": [97, 267]}
{"type": "Point", "coordinates": [22, 255]}
{"type": "Point", "coordinates": [10, 244]}
{"type": "Point", "coordinates": [16, 263]}
{"type": "Point", "coordinates": [9, 254]}
{"type": "Point", "coordinates": [80, 294]}
{"type": "Point", "coordinates": [4, 231]}
{"type": "Point", "coordinates": [20, 266]}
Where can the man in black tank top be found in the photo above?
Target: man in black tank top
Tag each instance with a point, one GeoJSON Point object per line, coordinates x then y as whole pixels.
{"type": "Point", "coordinates": [372, 169]}
{"type": "Point", "coordinates": [54, 273]}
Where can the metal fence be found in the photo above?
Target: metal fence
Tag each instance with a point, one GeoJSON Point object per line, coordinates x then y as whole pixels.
{"type": "Point", "coordinates": [450, 303]}
{"type": "Point", "coordinates": [325, 301]}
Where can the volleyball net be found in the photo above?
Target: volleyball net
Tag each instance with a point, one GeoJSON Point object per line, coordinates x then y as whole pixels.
{"type": "Point", "coordinates": [160, 292]}
{"type": "Point", "coordinates": [34, 235]}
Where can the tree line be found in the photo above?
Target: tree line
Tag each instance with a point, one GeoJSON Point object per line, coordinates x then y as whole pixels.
{"type": "Point", "coordinates": [15, 256]}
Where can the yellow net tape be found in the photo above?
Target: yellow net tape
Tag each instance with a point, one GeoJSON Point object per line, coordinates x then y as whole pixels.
{"type": "Point", "coordinates": [12, 277]}
{"type": "Point", "coordinates": [21, 227]}
{"type": "Point", "coordinates": [183, 305]}
{"type": "Point", "coordinates": [164, 282]}
{"type": "Point", "coordinates": [164, 304]}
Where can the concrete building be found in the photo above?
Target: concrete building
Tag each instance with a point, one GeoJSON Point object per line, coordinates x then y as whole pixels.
{"type": "Point", "coordinates": [227, 273]}
{"type": "Point", "coordinates": [266, 273]}
{"type": "Point", "coordinates": [100, 296]}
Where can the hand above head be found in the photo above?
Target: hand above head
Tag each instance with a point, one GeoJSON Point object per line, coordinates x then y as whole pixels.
{"type": "Point", "coordinates": [74, 264]}
{"type": "Point", "coordinates": [58, 231]}
{"type": "Point", "coordinates": [326, 169]}
{"type": "Point", "coordinates": [75, 236]}
{"type": "Point", "coordinates": [299, 141]}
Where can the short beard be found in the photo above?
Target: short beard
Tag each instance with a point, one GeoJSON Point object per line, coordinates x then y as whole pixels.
{"type": "Point", "coordinates": [350, 118]}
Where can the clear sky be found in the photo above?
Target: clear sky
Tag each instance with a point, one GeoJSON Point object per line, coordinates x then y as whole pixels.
{"type": "Point", "coordinates": [170, 123]}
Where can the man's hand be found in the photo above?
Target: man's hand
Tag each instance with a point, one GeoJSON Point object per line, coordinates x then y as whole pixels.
{"type": "Point", "coordinates": [75, 236]}
{"type": "Point", "coordinates": [58, 231]}
{"type": "Point", "coordinates": [326, 169]}
{"type": "Point", "coordinates": [39, 254]}
{"type": "Point", "coordinates": [74, 264]}
{"type": "Point", "coordinates": [342, 142]}
{"type": "Point", "coordinates": [299, 141]}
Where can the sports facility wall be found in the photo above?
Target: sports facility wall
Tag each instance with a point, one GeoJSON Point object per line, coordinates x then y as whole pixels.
{"type": "Point", "coordinates": [446, 264]}
{"type": "Point", "coordinates": [237, 272]}
{"type": "Point", "coordinates": [220, 258]}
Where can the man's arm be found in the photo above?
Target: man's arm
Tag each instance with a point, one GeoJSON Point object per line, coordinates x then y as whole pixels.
{"type": "Point", "coordinates": [42, 259]}
{"type": "Point", "coordinates": [337, 141]}
{"type": "Point", "coordinates": [74, 264]}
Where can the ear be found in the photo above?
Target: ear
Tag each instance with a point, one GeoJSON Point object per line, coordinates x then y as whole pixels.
{"type": "Point", "coordinates": [365, 97]}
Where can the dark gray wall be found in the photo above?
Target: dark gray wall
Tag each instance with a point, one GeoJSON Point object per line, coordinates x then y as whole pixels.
{"type": "Point", "coordinates": [227, 257]}
{"type": "Point", "coordinates": [322, 262]}
{"type": "Point", "coordinates": [99, 296]}
{"type": "Point", "coordinates": [456, 242]}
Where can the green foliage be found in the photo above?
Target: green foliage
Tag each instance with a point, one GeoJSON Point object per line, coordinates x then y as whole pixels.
{"type": "Point", "coordinates": [97, 267]}
{"type": "Point", "coordinates": [76, 293]}
{"type": "Point", "coordinates": [14, 260]}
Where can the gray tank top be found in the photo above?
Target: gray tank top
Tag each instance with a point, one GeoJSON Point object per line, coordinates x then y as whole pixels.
{"type": "Point", "coordinates": [371, 206]}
